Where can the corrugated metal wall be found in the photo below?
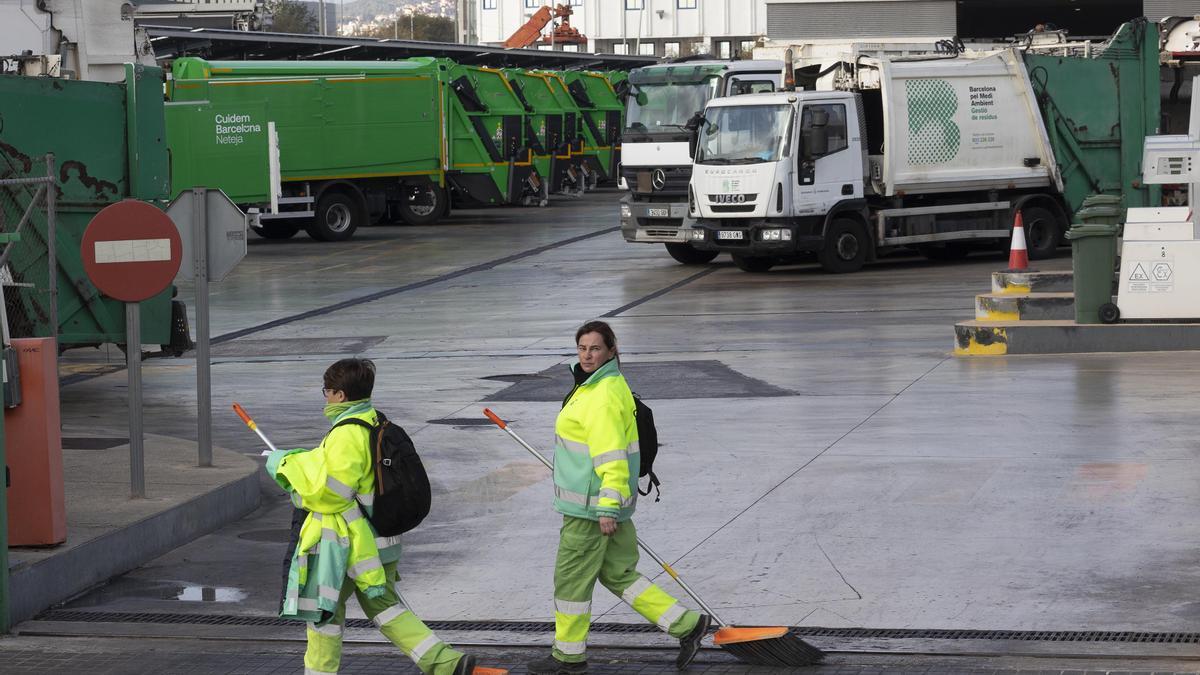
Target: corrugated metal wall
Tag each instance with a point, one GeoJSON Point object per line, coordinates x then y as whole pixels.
{"type": "Point", "coordinates": [1157, 9]}
{"type": "Point", "coordinates": [878, 18]}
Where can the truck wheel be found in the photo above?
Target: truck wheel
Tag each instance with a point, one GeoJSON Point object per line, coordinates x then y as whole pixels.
{"type": "Point", "coordinates": [1042, 231]}
{"type": "Point", "coordinates": [422, 204]}
{"type": "Point", "coordinates": [276, 231]}
{"type": "Point", "coordinates": [845, 247]}
{"type": "Point", "coordinates": [690, 255]}
{"type": "Point", "coordinates": [753, 263]}
{"type": "Point", "coordinates": [338, 215]}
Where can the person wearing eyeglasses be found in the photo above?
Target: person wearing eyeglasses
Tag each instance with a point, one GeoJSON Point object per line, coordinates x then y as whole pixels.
{"type": "Point", "coordinates": [336, 552]}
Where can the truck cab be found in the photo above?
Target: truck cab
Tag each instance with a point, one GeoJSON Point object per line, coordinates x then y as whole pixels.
{"type": "Point", "coordinates": [656, 153]}
{"type": "Point", "coordinates": [771, 170]}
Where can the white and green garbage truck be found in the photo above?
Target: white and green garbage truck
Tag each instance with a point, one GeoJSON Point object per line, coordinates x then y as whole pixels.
{"type": "Point", "coordinates": [656, 160]}
{"type": "Point", "coordinates": [937, 153]}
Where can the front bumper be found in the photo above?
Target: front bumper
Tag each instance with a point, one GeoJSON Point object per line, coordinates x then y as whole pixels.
{"type": "Point", "coordinates": [653, 222]}
{"type": "Point", "coordinates": [752, 237]}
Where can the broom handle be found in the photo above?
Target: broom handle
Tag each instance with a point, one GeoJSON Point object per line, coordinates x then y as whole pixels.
{"type": "Point", "coordinates": [241, 412]}
{"type": "Point", "coordinates": [649, 551]}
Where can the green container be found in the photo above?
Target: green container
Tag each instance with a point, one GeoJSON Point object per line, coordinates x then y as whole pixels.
{"type": "Point", "coordinates": [107, 140]}
{"type": "Point", "coordinates": [1101, 210]}
{"type": "Point", "coordinates": [1094, 251]}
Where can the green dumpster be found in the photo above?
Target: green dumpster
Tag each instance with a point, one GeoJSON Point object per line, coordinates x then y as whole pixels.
{"type": "Point", "coordinates": [1094, 255]}
{"type": "Point", "coordinates": [1101, 210]}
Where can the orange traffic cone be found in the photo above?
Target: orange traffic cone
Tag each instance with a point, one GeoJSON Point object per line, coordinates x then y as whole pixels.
{"type": "Point", "coordinates": [1018, 257]}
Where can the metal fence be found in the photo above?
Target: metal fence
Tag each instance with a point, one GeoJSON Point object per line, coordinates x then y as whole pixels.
{"type": "Point", "coordinates": [28, 260]}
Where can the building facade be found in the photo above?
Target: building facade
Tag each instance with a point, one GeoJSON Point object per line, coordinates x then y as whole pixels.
{"type": "Point", "coordinates": [667, 28]}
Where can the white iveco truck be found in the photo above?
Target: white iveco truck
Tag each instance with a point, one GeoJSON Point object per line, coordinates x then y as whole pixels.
{"type": "Point", "coordinates": [931, 153]}
{"type": "Point", "coordinates": [656, 158]}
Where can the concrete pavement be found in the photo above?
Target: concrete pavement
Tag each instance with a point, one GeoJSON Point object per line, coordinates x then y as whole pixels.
{"type": "Point", "coordinates": [864, 476]}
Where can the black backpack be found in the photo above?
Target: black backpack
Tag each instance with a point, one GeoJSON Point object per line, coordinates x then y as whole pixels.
{"type": "Point", "coordinates": [647, 444]}
{"type": "Point", "coordinates": [402, 495]}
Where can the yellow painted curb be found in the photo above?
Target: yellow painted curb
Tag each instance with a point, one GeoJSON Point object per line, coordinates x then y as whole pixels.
{"type": "Point", "coordinates": [998, 346]}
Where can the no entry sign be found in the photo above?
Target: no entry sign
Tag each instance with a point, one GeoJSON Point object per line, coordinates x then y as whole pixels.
{"type": "Point", "coordinates": [131, 251]}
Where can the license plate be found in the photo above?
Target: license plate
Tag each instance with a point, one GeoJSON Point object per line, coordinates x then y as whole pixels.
{"type": "Point", "coordinates": [658, 213]}
{"type": "Point", "coordinates": [729, 234]}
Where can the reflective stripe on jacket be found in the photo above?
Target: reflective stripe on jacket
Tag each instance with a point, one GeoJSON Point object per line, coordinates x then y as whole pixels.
{"type": "Point", "coordinates": [596, 458]}
{"type": "Point", "coordinates": [335, 484]}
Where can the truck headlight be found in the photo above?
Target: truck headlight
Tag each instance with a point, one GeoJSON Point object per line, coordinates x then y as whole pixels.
{"type": "Point", "coordinates": [626, 212]}
{"type": "Point", "coordinates": [697, 235]}
{"type": "Point", "coordinates": [775, 235]}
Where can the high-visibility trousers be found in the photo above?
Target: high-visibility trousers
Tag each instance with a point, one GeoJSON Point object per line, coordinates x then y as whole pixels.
{"type": "Point", "coordinates": [585, 555]}
{"type": "Point", "coordinates": [395, 621]}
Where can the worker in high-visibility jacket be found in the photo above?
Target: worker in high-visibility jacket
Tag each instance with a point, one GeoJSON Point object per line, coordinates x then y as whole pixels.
{"type": "Point", "coordinates": [596, 464]}
{"type": "Point", "coordinates": [338, 552]}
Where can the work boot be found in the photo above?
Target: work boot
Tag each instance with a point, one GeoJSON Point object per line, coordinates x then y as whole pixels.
{"type": "Point", "coordinates": [552, 666]}
{"type": "Point", "coordinates": [465, 666]}
{"type": "Point", "coordinates": [690, 644]}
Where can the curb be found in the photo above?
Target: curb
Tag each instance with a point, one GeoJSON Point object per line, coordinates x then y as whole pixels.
{"type": "Point", "coordinates": [41, 584]}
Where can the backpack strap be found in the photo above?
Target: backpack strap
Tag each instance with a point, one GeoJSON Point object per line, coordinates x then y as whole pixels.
{"type": "Point", "coordinates": [355, 421]}
{"type": "Point", "coordinates": [653, 483]}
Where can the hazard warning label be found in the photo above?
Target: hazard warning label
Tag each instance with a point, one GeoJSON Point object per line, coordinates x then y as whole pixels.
{"type": "Point", "coordinates": [1154, 276]}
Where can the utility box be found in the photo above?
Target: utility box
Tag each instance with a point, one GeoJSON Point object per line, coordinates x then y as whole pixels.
{"type": "Point", "coordinates": [37, 512]}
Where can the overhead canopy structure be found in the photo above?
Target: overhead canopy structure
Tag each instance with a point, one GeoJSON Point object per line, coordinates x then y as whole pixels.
{"type": "Point", "coordinates": [220, 44]}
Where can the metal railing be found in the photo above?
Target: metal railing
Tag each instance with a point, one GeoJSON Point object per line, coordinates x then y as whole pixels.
{"type": "Point", "coordinates": [25, 315]}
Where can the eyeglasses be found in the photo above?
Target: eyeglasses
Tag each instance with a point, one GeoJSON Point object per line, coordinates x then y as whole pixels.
{"type": "Point", "coordinates": [327, 392]}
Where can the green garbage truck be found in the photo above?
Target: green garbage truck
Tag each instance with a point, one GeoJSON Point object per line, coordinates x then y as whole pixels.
{"type": "Point", "coordinates": [107, 142]}
{"type": "Point", "coordinates": [544, 128]}
{"type": "Point", "coordinates": [601, 112]}
{"type": "Point", "coordinates": [329, 146]}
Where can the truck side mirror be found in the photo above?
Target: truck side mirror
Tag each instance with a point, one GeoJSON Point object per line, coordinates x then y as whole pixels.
{"type": "Point", "coordinates": [641, 97]}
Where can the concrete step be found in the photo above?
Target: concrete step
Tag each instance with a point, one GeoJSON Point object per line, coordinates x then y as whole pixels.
{"type": "Point", "coordinates": [1033, 282]}
{"type": "Point", "coordinates": [1025, 307]}
{"type": "Point", "coordinates": [998, 338]}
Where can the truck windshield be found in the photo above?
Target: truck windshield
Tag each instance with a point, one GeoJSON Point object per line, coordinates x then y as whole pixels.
{"type": "Point", "coordinates": [666, 108]}
{"type": "Point", "coordinates": [744, 134]}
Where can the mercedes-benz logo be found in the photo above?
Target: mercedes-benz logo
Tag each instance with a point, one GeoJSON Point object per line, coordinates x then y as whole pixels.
{"type": "Point", "coordinates": [658, 179]}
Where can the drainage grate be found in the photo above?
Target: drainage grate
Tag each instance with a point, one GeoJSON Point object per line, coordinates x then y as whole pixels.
{"type": "Point", "coordinates": [1132, 637]}
{"type": "Point", "coordinates": [1010, 635]}
{"type": "Point", "coordinates": [219, 620]}
{"type": "Point", "coordinates": [91, 442]}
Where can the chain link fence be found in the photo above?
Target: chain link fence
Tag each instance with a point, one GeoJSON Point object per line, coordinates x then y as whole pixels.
{"type": "Point", "coordinates": [28, 200]}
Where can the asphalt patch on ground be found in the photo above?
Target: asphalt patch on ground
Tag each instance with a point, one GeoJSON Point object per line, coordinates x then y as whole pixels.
{"type": "Point", "coordinates": [655, 380]}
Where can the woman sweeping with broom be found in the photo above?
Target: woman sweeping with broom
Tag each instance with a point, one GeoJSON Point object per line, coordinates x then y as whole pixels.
{"type": "Point", "coordinates": [595, 488]}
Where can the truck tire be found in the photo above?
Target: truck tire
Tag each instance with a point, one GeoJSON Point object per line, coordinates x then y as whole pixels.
{"type": "Point", "coordinates": [690, 255]}
{"type": "Point", "coordinates": [338, 216]}
{"type": "Point", "coordinates": [1043, 231]}
{"type": "Point", "coordinates": [756, 264]}
{"type": "Point", "coordinates": [276, 230]}
{"type": "Point", "coordinates": [845, 248]}
{"type": "Point", "coordinates": [422, 204]}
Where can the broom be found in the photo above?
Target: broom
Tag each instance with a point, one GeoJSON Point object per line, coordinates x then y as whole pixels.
{"type": "Point", "coordinates": [757, 645]}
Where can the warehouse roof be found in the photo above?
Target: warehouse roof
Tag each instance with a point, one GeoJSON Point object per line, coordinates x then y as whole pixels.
{"type": "Point", "coordinates": [219, 44]}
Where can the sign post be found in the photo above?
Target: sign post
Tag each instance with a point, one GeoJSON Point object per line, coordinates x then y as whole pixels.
{"type": "Point", "coordinates": [213, 232]}
{"type": "Point", "coordinates": [131, 252]}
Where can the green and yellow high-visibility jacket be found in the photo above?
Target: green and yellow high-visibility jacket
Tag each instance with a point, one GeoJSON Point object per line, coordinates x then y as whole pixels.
{"type": "Point", "coordinates": [335, 484]}
{"type": "Point", "coordinates": [596, 458]}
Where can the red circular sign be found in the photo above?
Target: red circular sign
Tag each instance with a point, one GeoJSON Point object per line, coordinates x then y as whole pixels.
{"type": "Point", "coordinates": [131, 251]}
